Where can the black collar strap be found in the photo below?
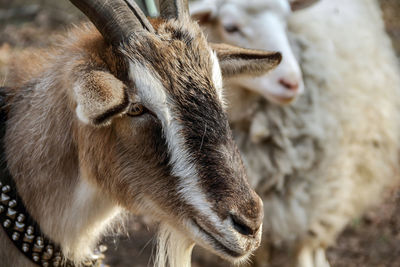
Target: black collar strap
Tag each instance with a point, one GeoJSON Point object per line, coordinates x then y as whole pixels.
{"type": "Point", "coordinates": [20, 227]}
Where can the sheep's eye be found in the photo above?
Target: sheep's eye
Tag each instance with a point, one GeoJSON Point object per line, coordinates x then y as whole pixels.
{"type": "Point", "coordinates": [232, 28]}
{"type": "Point", "coordinates": [136, 109]}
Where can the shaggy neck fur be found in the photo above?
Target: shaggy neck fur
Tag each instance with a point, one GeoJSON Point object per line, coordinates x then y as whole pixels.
{"type": "Point", "coordinates": [69, 209]}
{"type": "Point", "coordinates": [174, 249]}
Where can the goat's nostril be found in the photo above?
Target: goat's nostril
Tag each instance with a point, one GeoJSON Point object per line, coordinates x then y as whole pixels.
{"type": "Point", "coordinates": [289, 84]}
{"type": "Point", "coordinates": [242, 227]}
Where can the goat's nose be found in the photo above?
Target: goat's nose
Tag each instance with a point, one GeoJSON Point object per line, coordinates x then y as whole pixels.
{"type": "Point", "coordinates": [243, 226]}
{"type": "Point", "coordinates": [291, 85]}
{"type": "Point", "coordinates": [249, 223]}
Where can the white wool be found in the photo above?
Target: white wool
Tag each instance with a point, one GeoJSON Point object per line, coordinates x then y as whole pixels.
{"type": "Point", "coordinates": [327, 157]}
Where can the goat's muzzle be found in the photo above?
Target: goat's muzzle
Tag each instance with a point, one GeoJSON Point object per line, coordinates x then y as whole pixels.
{"type": "Point", "coordinates": [236, 236]}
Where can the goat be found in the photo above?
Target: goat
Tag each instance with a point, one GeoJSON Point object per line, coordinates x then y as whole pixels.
{"type": "Point", "coordinates": [326, 158]}
{"type": "Point", "coordinates": [129, 115]}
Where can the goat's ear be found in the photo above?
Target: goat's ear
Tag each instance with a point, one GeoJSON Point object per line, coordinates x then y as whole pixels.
{"type": "Point", "coordinates": [300, 4]}
{"type": "Point", "coordinates": [100, 96]}
{"type": "Point", "coordinates": [235, 61]}
{"type": "Point", "coordinates": [203, 11]}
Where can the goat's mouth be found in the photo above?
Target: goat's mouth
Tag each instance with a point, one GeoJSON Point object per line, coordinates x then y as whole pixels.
{"type": "Point", "coordinates": [217, 244]}
{"type": "Point", "coordinates": [228, 250]}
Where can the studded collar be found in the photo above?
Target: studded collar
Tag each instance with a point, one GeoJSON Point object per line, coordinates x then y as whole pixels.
{"type": "Point", "coordinates": [16, 222]}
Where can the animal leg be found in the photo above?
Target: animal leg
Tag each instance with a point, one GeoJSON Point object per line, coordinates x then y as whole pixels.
{"type": "Point", "coordinates": [305, 257]}
{"type": "Point", "coordinates": [320, 258]}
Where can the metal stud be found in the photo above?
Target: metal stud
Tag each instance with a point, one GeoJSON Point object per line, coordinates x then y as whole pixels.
{"type": "Point", "coordinates": [35, 257]}
{"type": "Point", "coordinates": [21, 218]}
{"type": "Point", "coordinates": [12, 203]}
{"type": "Point", "coordinates": [38, 246]}
{"type": "Point", "coordinates": [6, 189]}
{"type": "Point", "coordinates": [25, 247]}
{"type": "Point", "coordinates": [2, 208]}
{"type": "Point", "coordinates": [15, 236]}
{"type": "Point", "coordinates": [29, 231]}
{"type": "Point", "coordinates": [4, 199]}
{"type": "Point", "coordinates": [11, 213]}
{"type": "Point", "coordinates": [48, 253]}
{"type": "Point", "coordinates": [57, 259]}
{"type": "Point", "coordinates": [39, 241]}
{"type": "Point", "coordinates": [19, 226]}
{"type": "Point", "coordinates": [7, 223]}
{"type": "Point", "coordinates": [49, 249]}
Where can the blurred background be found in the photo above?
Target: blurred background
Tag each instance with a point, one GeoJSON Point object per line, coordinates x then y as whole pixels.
{"type": "Point", "coordinates": [373, 240]}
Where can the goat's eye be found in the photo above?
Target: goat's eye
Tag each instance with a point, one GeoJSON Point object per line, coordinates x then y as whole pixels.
{"type": "Point", "coordinates": [232, 28]}
{"type": "Point", "coordinates": [136, 109]}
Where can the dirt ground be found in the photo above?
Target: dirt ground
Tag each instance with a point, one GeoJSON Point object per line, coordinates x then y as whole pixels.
{"type": "Point", "coordinates": [370, 241]}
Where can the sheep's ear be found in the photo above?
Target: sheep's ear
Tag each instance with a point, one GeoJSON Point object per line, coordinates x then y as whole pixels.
{"type": "Point", "coordinates": [300, 4]}
{"type": "Point", "coordinates": [236, 61]}
{"type": "Point", "coordinates": [203, 11]}
{"type": "Point", "coordinates": [100, 96]}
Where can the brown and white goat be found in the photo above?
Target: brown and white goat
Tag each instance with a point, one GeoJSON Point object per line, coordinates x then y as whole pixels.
{"type": "Point", "coordinates": [131, 116]}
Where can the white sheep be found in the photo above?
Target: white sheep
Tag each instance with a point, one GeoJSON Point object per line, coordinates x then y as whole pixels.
{"type": "Point", "coordinates": [327, 157]}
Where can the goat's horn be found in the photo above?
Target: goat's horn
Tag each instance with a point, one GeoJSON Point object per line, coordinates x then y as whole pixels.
{"type": "Point", "coordinates": [140, 15]}
{"type": "Point", "coordinates": [115, 19]}
{"type": "Point", "coordinates": [174, 9]}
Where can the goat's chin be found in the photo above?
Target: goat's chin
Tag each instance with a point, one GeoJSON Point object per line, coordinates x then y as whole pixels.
{"type": "Point", "coordinates": [177, 238]}
{"type": "Point", "coordinates": [176, 242]}
{"type": "Point", "coordinates": [226, 243]}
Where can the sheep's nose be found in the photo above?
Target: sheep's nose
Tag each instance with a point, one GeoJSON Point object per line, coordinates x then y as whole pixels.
{"type": "Point", "coordinates": [291, 85]}
{"type": "Point", "coordinates": [249, 222]}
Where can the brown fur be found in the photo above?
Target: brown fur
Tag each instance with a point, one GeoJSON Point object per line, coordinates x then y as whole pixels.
{"type": "Point", "coordinates": [240, 61]}
{"type": "Point", "coordinates": [114, 160]}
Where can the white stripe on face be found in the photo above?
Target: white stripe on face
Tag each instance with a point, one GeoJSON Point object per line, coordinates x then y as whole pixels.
{"type": "Point", "coordinates": [153, 94]}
